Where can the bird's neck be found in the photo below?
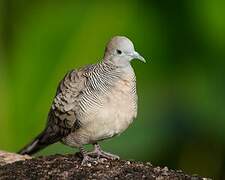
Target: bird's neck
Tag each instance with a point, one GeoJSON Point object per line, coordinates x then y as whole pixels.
{"type": "Point", "coordinates": [121, 67]}
{"type": "Point", "coordinates": [117, 61]}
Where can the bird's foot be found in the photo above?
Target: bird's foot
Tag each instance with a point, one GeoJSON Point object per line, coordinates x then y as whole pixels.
{"type": "Point", "coordinates": [98, 153]}
{"type": "Point", "coordinates": [87, 159]}
{"type": "Point", "coordinates": [108, 155]}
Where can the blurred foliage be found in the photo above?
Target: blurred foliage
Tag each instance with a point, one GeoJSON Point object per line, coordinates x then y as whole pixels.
{"type": "Point", "coordinates": [181, 88]}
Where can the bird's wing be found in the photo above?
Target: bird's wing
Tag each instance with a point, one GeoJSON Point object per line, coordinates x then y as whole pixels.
{"type": "Point", "coordinates": [62, 118]}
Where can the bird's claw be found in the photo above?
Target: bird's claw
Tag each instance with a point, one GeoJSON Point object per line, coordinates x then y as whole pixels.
{"type": "Point", "coordinates": [98, 153]}
{"type": "Point", "coordinates": [109, 155]}
{"type": "Point", "coordinates": [87, 159]}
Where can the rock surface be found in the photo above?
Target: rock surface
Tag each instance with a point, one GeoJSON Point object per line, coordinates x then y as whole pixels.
{"type": "Point", "coordinates": [69, 167]}
{"type": "Point", "coordinates": [7, 157]}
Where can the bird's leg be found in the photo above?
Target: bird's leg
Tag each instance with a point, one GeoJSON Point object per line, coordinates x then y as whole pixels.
{"type": "Point", "coordinates": [86, 157]}
{"type": "Point", "coordinates": [100, 153]}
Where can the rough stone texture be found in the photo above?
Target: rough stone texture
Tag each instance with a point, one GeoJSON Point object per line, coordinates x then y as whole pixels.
{"type": "Point", "coordinates": [7, 157]}
{"type": "Point", "coordinates": [69, 167]}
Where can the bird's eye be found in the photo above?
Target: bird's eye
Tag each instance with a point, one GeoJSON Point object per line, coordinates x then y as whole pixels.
{"type": "Point", "coordinates": [118, 51]}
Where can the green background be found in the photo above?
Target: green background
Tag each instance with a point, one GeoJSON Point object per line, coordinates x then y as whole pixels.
{"type": "Point", "coordinates": [181, 118]}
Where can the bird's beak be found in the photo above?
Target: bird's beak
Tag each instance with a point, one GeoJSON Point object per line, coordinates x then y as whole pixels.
{"type": "Point", "coordinates": [136, 55]}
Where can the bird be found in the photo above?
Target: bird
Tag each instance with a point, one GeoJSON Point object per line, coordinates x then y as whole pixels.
{"type": "Point", "coordinates": [93, 103]}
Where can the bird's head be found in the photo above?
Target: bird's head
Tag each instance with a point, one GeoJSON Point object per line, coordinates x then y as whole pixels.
{"type": "Point", "coordinates": [120, 50]}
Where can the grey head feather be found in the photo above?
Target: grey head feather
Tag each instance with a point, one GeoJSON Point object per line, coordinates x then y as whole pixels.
{"type": "Point", "coordinates": [120, 51]}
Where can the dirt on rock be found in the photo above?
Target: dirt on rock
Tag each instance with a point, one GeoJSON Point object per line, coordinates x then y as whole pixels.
{"type": "Point", "coordinates": [69, 167]}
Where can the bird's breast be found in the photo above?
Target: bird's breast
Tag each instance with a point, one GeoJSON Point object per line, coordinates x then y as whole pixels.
{"type": "Point", "coordinates": [107, 114]}
{"type": "Point", "coordinates": [119, 108]}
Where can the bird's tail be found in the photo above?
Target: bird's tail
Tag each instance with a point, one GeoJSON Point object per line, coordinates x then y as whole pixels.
{"type": "Point", "coordinates": [44, 139]}
{"type": "Point", "coordinates": [33, 147]}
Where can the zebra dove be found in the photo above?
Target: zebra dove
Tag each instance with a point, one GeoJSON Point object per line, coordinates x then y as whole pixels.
{"type": "Point", "coordinates": [93, 103]}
